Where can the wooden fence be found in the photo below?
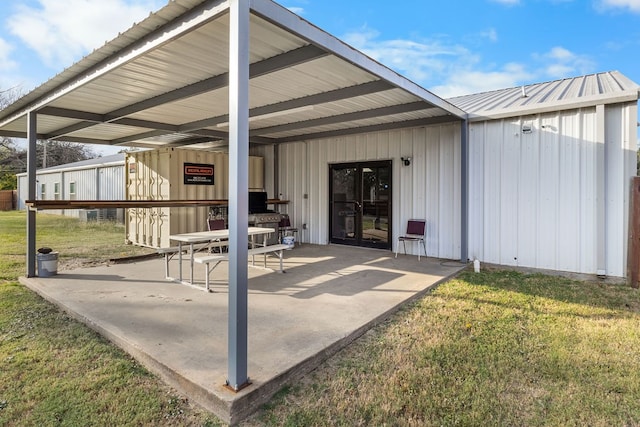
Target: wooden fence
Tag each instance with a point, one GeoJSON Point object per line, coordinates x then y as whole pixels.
{"type": "Point", "coordinates": [633, 248]}
{"type": "Point", "coordinates": [8, 200]}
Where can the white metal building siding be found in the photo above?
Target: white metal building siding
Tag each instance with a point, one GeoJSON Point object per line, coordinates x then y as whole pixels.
{"type": "Point", "coordinates": [92, 183]}
{"type": "Point", "coordinates": [428, 188]}
{"type": "Point", "coordinates": [534, 197]}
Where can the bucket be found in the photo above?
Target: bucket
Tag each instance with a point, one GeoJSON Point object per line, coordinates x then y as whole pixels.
{"type": "Point", "coordinates": [47, 264]}
{"type": "Point", "coordinates": [289, 241]}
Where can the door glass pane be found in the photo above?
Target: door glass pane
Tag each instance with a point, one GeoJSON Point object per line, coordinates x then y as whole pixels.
{"type": "Point", "coordinates": [375, 204]}
{"type": "Point", "coordinates": [344, 196]}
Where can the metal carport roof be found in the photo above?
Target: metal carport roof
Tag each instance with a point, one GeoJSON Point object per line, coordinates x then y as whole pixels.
{"type": "Point", "coordinates": [207, 74]}
{"type": "Point", "coordinates": [164, 82]}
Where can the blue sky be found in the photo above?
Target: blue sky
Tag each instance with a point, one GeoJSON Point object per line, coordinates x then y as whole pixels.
{"type": "Point", "coordinates": [449, 47]}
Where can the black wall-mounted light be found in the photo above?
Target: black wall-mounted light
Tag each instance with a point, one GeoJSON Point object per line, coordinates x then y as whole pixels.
{"type": "Point", "coordinates": [406, 160]}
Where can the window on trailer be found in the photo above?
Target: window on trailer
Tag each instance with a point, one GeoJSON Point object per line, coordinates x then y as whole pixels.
{"type": "Point", "coordinates": [72, 190]}
{"type": "Point", "coordinates": [43, 192]}
{"type": "Point", "coordinates": [56, 191]}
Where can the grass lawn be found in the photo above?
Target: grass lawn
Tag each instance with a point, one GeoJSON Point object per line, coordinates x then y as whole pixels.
{"type": "Point", "coordinates": [494, 348]}
{"type": "Point", "coordinates": [53, 369]}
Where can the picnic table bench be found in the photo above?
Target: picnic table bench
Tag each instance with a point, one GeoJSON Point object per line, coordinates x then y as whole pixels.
{"type": "Point", "coordinates": [212, 261]}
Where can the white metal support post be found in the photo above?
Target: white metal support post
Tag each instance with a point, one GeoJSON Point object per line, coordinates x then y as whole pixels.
{"type": "Point", "coordinates": [601, 191]}
{"type": "Point", "coordinates": [32, 137]}
{"type": "Point", "coordinates": [238, 192]}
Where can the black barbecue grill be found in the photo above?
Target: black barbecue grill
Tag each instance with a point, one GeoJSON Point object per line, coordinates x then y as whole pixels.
{"type": "Point", "coordinates": [260, 216]}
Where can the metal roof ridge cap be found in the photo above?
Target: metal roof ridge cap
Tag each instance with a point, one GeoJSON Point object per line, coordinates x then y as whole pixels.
{"type": "Point", "coordinates": [289, 21]}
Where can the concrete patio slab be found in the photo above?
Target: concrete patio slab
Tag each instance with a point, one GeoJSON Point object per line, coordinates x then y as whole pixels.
{"type": "Point", "coordinates": [328, 296]}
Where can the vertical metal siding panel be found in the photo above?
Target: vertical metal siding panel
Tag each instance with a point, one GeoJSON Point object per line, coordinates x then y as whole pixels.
{"type": "Point", "coordinates": [407, 204]}
{"type": "Point", "coordinates": [395, 152]}
{"type": "Point", "coordinates": [548, 176]}
{"type": "Point", "coordinates": [293, 183]}
{"type": "Point", "coordinates": [371, 146]}
{"type": "Point", "coordinates": [361, 147]}
{"type": "Point", "coordinates": [569, 192]}
{"type": "Point", "coordinates": [509, 192]}
{"type": "Point", "coordinates": [22, 192]}
{"type": "Point", "coordinates": [419, 195]}
{"type": "Point", "coordinates": [589, 193]}
{"type": "Point", "coordinates": [615, 185]}
{"type": "Point", "coordinates": [528, 182]}
{"type": "Point", "coordinates": [476, 190]}
{"type": "Point", "coordinates": [430, 186]}
{"type": "Point", "coordinates": [326, 151]}
{"type": "Point", "coordinates": [112, 183]}
{"type": "Point", "coordinates": [449, 193]}
{"type": "Point", "coordinates": [316, 230]}
{"type": "Point", "coordinates": [383, 145]}
{"type": "Point", "coordinates": [494, 135]}
{"type": "Point", "coordinates": [301, 207]}
{"type": "Point", "coordinates": [455, 199]}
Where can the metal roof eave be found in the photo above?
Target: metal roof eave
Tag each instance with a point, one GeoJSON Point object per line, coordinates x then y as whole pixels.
{"type": "Point", "coordinates": [293, 23]}
{"type": "Point", "coordinates": [562, 105]}
{"type": "Point", "coordinates": [157, 29]}
{"type": "Point", "coordinates": [170, 23]}
{"type": "Point", "coordinates": [98, 162]}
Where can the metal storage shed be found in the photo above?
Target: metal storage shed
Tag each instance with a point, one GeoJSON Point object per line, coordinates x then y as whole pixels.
{"type": "Point", "coordinates": [101, 178]}
{"type": "Point", "coordinates": [212, 74]}
{"type": "Point", "coordinates": [550, 173]}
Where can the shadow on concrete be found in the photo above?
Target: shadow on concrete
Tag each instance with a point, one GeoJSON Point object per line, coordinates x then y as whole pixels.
{"type": "Point", "coordinates": [328, 296]}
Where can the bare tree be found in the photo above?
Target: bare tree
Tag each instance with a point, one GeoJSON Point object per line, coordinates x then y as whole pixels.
{"type": "Point", "coordinates": [13, 159]}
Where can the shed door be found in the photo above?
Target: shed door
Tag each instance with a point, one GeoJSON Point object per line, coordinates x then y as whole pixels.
{"type": "Point", "coordinates": [360, 204]}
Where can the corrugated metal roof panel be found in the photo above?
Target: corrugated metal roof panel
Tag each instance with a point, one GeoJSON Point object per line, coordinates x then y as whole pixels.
{"type": "Point", "coordinates": [171, 71]}
{"type": "Point", "coordinates": [607, 87]}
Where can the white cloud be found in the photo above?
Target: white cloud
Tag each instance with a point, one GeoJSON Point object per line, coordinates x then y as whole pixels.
{"type": "Point", "coordinates": [632, 5]}
{"type": "Point", "coordinates": [60, 32]}
{"type": "Point", "coordinates": [490, 34]}
{"type": "Point", "coordinates": [6, 63]}
{"type": "Point", "coordinates": [465, 81]}
{"type": "Point", "coordinates": [418, 60]}
{"type": "Point", "coordinates": [431, 62]}
{"type": "Point", "coordinates": [297, 10]}
{"type": "Point", "coordinates": [507, 2]}
{"type": "Point", "coordinates": [560, 62]}
{"type": "Point", "coordinates": [450, 69]}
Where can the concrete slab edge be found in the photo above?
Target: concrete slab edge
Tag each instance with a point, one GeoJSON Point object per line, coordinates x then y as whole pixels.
{"type": "Point", "coordinates": [251, 402]}
{"type": "Point", "coordinates": [192, 391]}
{"type": "Point", "coordinates": [234, 411]}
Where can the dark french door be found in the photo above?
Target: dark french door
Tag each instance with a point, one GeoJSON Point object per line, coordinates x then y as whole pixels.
{"type": "Point", "coordinates": [360, 204]}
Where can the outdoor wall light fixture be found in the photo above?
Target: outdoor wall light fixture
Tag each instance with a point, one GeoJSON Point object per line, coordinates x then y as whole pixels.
{"type": "Point", "coordinates": [406, 160]}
